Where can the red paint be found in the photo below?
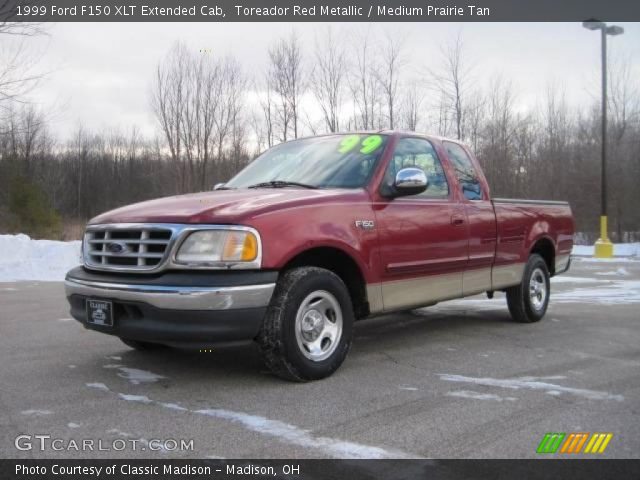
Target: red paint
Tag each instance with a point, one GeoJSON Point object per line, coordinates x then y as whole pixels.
{"type": "Point", "coordinates": [412, 236]}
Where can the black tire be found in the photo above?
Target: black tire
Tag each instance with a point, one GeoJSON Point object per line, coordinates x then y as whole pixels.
{"type": "Point", "coordinates": [280, 336]}
{"type": "Point", "coordinates": [142, 346]}
{"type": "Point", "coordinates": [524, 306]}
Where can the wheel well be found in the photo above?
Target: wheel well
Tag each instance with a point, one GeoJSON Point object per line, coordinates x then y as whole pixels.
{"type": "Point", "coordinates": [341, 264]}
{"type": "Point", "coordinates": [544, 248]}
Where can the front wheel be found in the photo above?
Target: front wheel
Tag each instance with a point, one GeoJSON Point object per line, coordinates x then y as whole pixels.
{"type": "Point", "coordinates": [528, 301]}
{"type": "Point", "coordinates": [306, 333]}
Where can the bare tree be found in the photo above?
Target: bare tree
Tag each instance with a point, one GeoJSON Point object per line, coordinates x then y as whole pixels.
{"type": "Point", "coordinates": [329, 74]}
{"type": "Point", "coordinates": [451, 80]}
{"type": "Point", "coordinates": [388, 74]}
{"type": "Point", "coordinates": [229, 121]}
{"type": "Point", "coordinates": [198, 102]}
{"type": "Point", "coordinates": [474, 118]}
{"type": "Point", "coordinates": [167, 101]}
{"type": "Point", "coordinates": [286, 79]}
{"type": "Point", "coordinates": [267, 108]}
{"type": "Point", "coordinates": [363, 84]}
{"type": "Point", "coordinates": [18, 75]}
{"type": "Point", "coordinates": [412, 107]}
{"type": "Point", "coordinates": [499, 130]}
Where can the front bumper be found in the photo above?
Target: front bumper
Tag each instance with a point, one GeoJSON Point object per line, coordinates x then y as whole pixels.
{"type": "Point", "coordinates": [176, 308]}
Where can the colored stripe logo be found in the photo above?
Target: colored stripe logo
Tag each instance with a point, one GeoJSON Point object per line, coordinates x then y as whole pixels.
{"type": "Point", "coordinates": [574, 442]}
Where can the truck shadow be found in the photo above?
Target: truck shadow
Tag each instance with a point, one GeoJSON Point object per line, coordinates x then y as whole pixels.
{"type": "Point", "coordinates": [242, 362]}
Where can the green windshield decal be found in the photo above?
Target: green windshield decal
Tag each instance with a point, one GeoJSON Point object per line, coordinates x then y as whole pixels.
{"type": "Point", "coordinates": [368, 145]}
{"type": "Point", "coordinates": [371, 144]}
{"type": "Point", "coordinates": [348, 143]}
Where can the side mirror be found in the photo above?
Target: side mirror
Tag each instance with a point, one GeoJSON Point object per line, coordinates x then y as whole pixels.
{"type": "Point", "coordinates": [218, 186]}
{"type": "Point", "coordinates": [410, 181]}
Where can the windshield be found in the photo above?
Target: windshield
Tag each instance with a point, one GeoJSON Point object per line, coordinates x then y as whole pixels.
{"type": "Point", "coordinates": [332, 161]}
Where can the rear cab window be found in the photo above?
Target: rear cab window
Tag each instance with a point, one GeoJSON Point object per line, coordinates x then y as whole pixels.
{"type": "Point", "coordinates": [465, 171]}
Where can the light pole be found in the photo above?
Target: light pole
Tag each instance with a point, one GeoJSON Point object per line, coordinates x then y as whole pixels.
{"type": "Point", "coordinates": [603, 247]}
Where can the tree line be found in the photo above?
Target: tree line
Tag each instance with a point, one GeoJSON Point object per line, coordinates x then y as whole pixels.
{"type": "Point", "coordinates": [214, 114]}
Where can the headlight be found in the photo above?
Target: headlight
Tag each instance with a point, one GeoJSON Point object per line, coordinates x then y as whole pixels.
{"type": "Point", "coordinates": [219, 246]}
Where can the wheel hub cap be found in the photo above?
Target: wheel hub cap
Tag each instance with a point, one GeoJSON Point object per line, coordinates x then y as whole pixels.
{"type": "Point", "coordinates": [537, 289]}
{"type": "Point", "coordinates": [312, 325]}
{"type": "Point", "coordinates": [318, 325]}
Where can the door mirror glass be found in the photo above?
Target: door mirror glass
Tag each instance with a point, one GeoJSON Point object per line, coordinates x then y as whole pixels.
{"type": "Point", "coordinates": [410, 181]}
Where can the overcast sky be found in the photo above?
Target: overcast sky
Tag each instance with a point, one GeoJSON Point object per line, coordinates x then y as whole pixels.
{"type": "Point", "coordinates": [100, 73]}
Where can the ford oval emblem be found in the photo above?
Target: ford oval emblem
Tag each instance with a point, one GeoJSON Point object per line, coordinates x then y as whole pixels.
{"type": "Point", "coordinates": [117, 248]}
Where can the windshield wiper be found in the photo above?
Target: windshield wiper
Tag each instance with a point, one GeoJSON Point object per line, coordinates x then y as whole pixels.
{"type": "Point", "coordinates": [281, 184]}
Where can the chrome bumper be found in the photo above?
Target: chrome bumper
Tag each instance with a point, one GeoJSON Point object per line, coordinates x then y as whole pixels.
{"type": "Point", "coordinates": [178, 297]}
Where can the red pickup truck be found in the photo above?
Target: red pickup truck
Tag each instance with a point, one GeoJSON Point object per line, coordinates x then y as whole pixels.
{"type": "Point", "coordinates": [311, 236]}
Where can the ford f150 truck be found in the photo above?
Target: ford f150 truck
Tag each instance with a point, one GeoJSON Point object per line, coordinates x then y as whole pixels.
{"type": "Point", "coordinates": [311, 236]}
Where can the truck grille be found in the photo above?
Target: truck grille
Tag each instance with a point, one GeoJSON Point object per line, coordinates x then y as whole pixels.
{"type": "Point", "coordinates": [135, 248]}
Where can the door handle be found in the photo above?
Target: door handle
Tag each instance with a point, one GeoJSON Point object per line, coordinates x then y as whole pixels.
{"type": "Point", "coordinates": [457, 220]}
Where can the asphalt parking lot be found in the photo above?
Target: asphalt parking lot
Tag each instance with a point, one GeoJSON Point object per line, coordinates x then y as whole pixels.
{"type": "Point", "coordinates": [457, 380]}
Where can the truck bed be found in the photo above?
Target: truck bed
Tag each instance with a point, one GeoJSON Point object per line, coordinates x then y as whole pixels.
{"type": "Point", "coordinates": [519, 221]}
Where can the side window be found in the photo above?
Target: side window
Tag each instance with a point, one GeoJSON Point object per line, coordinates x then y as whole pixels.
{"type": "Point", "coordinates": [417, 152]}
{"type": "Point", "coordinates": [465, 171]}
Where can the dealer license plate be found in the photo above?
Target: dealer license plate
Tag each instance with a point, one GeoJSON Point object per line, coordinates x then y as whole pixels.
{"type": "Point", "coordinates": [100, 312]}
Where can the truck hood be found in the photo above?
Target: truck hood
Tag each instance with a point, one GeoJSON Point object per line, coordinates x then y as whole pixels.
{"type": "Point", "coordinates": [224, 206]}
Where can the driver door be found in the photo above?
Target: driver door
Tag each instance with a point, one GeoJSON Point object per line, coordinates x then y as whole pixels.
{"type": "Point", "coordinates": [423, 237]}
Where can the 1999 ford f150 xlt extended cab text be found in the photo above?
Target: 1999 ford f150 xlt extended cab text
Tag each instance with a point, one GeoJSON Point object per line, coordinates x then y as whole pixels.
{"type": "Point", "coordinates": [312, 235]}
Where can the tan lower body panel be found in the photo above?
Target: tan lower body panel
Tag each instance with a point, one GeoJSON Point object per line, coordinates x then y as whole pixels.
{"type": "Point", "coordinates": [476, 281]}
{"type": "Point", "coordinates": [416, 292]}
{"type": "Point", "coordinates": [504, 276]}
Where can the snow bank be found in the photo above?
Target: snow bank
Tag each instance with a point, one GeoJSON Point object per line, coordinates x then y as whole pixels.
{"type": "Point", "coordinates": [619, 250]}
{"type": "Point", "coordinates": [22, 258]}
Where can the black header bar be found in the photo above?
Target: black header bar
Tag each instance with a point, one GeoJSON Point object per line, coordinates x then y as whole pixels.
{"type": "Point", "coordinates": [318, 10]}
{"type": "Point", "coordinates": [320, 469]}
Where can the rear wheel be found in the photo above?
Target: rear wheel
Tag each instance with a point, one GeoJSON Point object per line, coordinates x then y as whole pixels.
{"type": "Point", "coordinates": [528, 301]}
{"type": "Point", "coordinates": [138, 345]}
{"type": "Point", "coordinates": [307, 330]}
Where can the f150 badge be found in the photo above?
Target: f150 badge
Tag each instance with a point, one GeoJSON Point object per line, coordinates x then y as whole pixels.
{"type": "Point", "coordinates": [365, 224]}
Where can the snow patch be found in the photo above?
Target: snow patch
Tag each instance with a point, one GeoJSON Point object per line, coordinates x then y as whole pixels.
{"type": "Point", "coordinates": [119, 432]}
{"type": "Point", "coordinates": [135, 398]}
{"type": "Point", "coordinates": [282, 431]}
{"type": "Point", "coordinates": [607, 260]}
{"type": "Point", "coordinates": [620, 272]}
{"type": "Point", "coordinates": [98, 386]}
{"type": "Point", "coordinates": [613, 292]}
{"type": "Point", "coordinates": [45, 260]}
{"type": "Point", "coordinates": [303, 438]}
{"type": "Point", "coordinates": [606, 291]}
{"type": "Point", "coordinates": [158, 446]}
{"type": "Point", "coordinates": [568, 279]}
{"type": "Point", "coordinates": [114, 357]}
{"type": "Point", "coordinates": [137, 376]}
{"type": "Point", "coordinates": [619, 250]}
{"type": "Point", "coordinates": [532, 383]}
{"type": "Point", "coordinates": [479, 396]}
{"type": "Point", "coordinates": [174, 406]}
{"type": "Point", "coordinates": [36, 413]}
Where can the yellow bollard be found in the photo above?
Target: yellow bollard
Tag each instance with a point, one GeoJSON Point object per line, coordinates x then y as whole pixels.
{"type": "Point", "coordinates": [604, 247]}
